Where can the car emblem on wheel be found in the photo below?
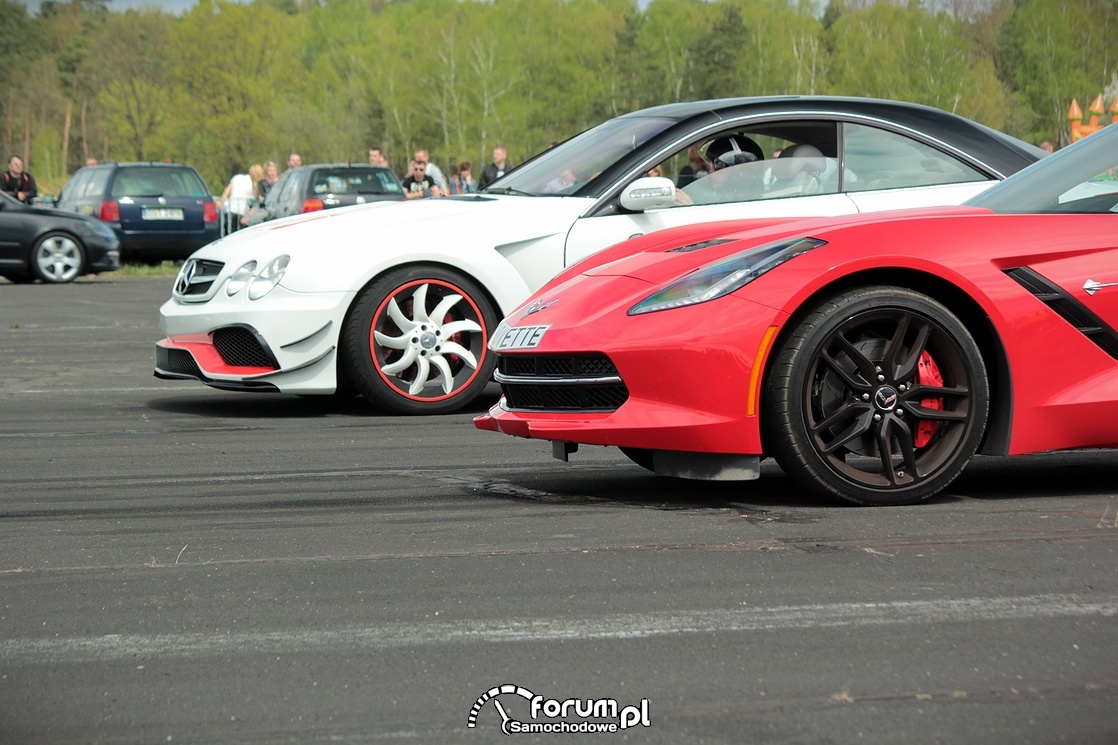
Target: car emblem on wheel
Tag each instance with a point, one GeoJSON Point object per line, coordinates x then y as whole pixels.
{"type": "Point", "coordinates": [885, 398]}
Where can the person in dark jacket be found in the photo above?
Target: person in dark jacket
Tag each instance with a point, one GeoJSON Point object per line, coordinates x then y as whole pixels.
{"type": "Point", "coordinates": [18, 182]}
{"type": "Point", "coordinates": [496, 169]}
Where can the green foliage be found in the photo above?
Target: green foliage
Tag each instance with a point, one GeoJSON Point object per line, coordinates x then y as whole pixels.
{"type": "Point", "coordinates": [1053, 51]}
{"type": "Point", "coordinates": [227, 84]}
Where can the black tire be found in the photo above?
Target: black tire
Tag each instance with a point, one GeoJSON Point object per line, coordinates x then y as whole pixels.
{"type": "Point", "coordinates": [851, 408]}
{"type": "Point", "coordinates": [57, 258]}
{"type": "Point", "coordinates": [440, 368]}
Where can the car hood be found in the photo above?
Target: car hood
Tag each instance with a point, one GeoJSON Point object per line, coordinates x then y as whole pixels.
{"type": "Point", "coordinates": [416, 228]}
{"type": "Point", "coordinates": [56, 214]}
{"type": "Point", "coordinates": [661, 257]}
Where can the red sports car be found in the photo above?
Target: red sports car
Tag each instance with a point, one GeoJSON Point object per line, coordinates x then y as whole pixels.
{"type": "Point", "coordinates": [870, 355]}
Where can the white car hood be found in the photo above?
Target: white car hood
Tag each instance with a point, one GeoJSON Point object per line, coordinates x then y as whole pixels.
{"type": "Point", "coordinates": [363, 239]}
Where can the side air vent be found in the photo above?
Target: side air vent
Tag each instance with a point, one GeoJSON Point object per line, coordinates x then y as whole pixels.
{"type": "Point", "coordinates": [240, 347]}
{"type": "Point", "coordinates": [1068, 308]}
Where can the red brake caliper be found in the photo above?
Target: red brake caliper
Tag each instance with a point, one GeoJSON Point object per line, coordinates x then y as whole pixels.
{"type": "Point", "coordinates": [927, 373]}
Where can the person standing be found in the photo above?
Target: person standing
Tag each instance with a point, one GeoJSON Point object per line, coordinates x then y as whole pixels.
{"type": "Point", "coordinates": [256, 173]}
{"type": "Point", "coordinates": [433, 171]}
{"type": "Point", "coordinates": [237, 200]}
{"type": "Point", "coordinates": [496, 169]}
{"type": "Point", "coordinates": [377, 158]}
{"type": "Point", "coordinates": [463, 182]}
{"type": "Point", "coordinates": [18, 182]}
{"type": "Point", "coordinates": [417, 184]}
{"type": "Point", "coordinates": [271, 176]}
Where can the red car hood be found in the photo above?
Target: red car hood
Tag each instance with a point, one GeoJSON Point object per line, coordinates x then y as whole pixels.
{"type": "Point", "coordinates": [664, 255]}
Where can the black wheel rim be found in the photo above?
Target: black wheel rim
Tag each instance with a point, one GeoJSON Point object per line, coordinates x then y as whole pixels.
{"type": "Point", "coordinates": [869, 406]}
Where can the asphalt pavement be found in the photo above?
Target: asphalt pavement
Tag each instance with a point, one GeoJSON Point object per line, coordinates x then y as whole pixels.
{"type": "Point", "coordinates": [180, 564]}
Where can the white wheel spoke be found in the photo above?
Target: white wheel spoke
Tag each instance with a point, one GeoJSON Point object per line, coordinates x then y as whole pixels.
{"type": "Point", "coordinates": [462, 353]}
{"type": "Point", "coordinates": [444, 370]}
{"type": "Point", "coordinates": [392, 342]}
{"type": "Point", "coordinates": [419, 305]}
{"type": "Point", "coordinates": [458, 327]}
{"type": "Point", "coordinates": [404, 323]}
{"type": "Point", "coordinates": [444, 306]}
{"type": "Point", "coordinates": [423, 369]}
{"type": "Point", "coordinates": [410, 356]}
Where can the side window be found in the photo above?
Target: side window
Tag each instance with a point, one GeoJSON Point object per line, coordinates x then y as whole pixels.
{"type": "Point", "coordinates": [95, 186]}
{"type": "Point", "coordinates": [73, 188]}
{"type": "Point", "coordinates": [774, 161]}
{"type": "Point", "coordinates": [876, 159]}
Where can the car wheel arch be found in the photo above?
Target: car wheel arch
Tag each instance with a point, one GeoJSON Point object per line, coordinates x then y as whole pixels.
{"type": "Point", "coordinates": [995, 441]}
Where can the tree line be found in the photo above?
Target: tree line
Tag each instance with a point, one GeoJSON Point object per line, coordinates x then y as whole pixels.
{"type": "Point", "coordinates": [228, 84]}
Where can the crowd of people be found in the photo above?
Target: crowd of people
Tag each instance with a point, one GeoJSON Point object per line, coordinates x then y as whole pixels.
{"type": "Point", "coordinates": [425, 179]}
{"type": "Point", "coordinates": [246, 192]}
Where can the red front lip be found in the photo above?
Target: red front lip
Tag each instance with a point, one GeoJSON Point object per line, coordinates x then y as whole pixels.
{"type": "Point", "coordinates": [209, 360]}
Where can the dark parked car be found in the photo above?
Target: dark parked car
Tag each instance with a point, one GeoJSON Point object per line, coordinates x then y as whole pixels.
{"type": "Point", "coordinates": [323, 186]}
{"type": "Point", "coordinates": [158, 210]}
{"type": "Point", "coordinates": [52, 246]}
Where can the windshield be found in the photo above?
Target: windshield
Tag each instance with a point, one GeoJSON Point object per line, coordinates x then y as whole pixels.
{"type": "Point", "coordinates": [569, 166]}
{"type": "Point", "coordinates": [1082, 178]}
{"type": "Point", "coordinates": [158, 181]}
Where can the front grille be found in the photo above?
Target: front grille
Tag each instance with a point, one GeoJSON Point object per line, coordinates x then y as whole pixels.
{"type": "Point", "coordinates": [196, 279]}
{"type": "Point", "coordinates": [560, 383]}
{"type": "Point", "coordinates": [592, 366]}
{"type": "Point", "coordinates": [240, 347]}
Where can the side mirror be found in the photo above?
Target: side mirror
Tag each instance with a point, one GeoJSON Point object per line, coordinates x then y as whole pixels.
{"type": "Point", "coordinates": [648, 193]}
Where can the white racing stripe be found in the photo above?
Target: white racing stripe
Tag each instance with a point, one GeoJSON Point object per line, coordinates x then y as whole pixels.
{"type": "Point", "coordinates": [618, 626]}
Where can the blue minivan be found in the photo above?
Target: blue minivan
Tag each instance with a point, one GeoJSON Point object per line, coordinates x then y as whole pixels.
{"type": "Point", "coordinates": [159, 211]}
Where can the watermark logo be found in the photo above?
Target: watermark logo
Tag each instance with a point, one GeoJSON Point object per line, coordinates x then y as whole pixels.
{"type": "Point", "coordinates": [567, 716]}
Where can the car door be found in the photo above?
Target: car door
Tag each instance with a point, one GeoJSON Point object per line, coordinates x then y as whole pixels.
{"type": "Point", "coordinates": [1078, 280]}
{"type": "Point", "coordinates": [289, 193]}
{"type": "Point", "coordinates": [16, 233]}
{"type": "Point", "coordinates": [741, 187]}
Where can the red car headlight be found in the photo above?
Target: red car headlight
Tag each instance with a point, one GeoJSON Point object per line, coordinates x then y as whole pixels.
{"type": "Point", "coordinates": [723, 277]}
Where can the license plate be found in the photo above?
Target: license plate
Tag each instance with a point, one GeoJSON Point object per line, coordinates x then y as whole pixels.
{"type": "Point", "coordinates": [161, 213]}
{"type": "Point", "coordinates": [517, 337]}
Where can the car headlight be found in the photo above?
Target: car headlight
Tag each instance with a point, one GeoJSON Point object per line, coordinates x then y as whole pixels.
{"type": "Point", "coordinates": [258, 281]}
{"type": "Point", "coordinates": [240, 279]}
{"type": "Point", "coordinates": [266, 279]}
{"type": "Point", "coordinates": [723, 277]}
